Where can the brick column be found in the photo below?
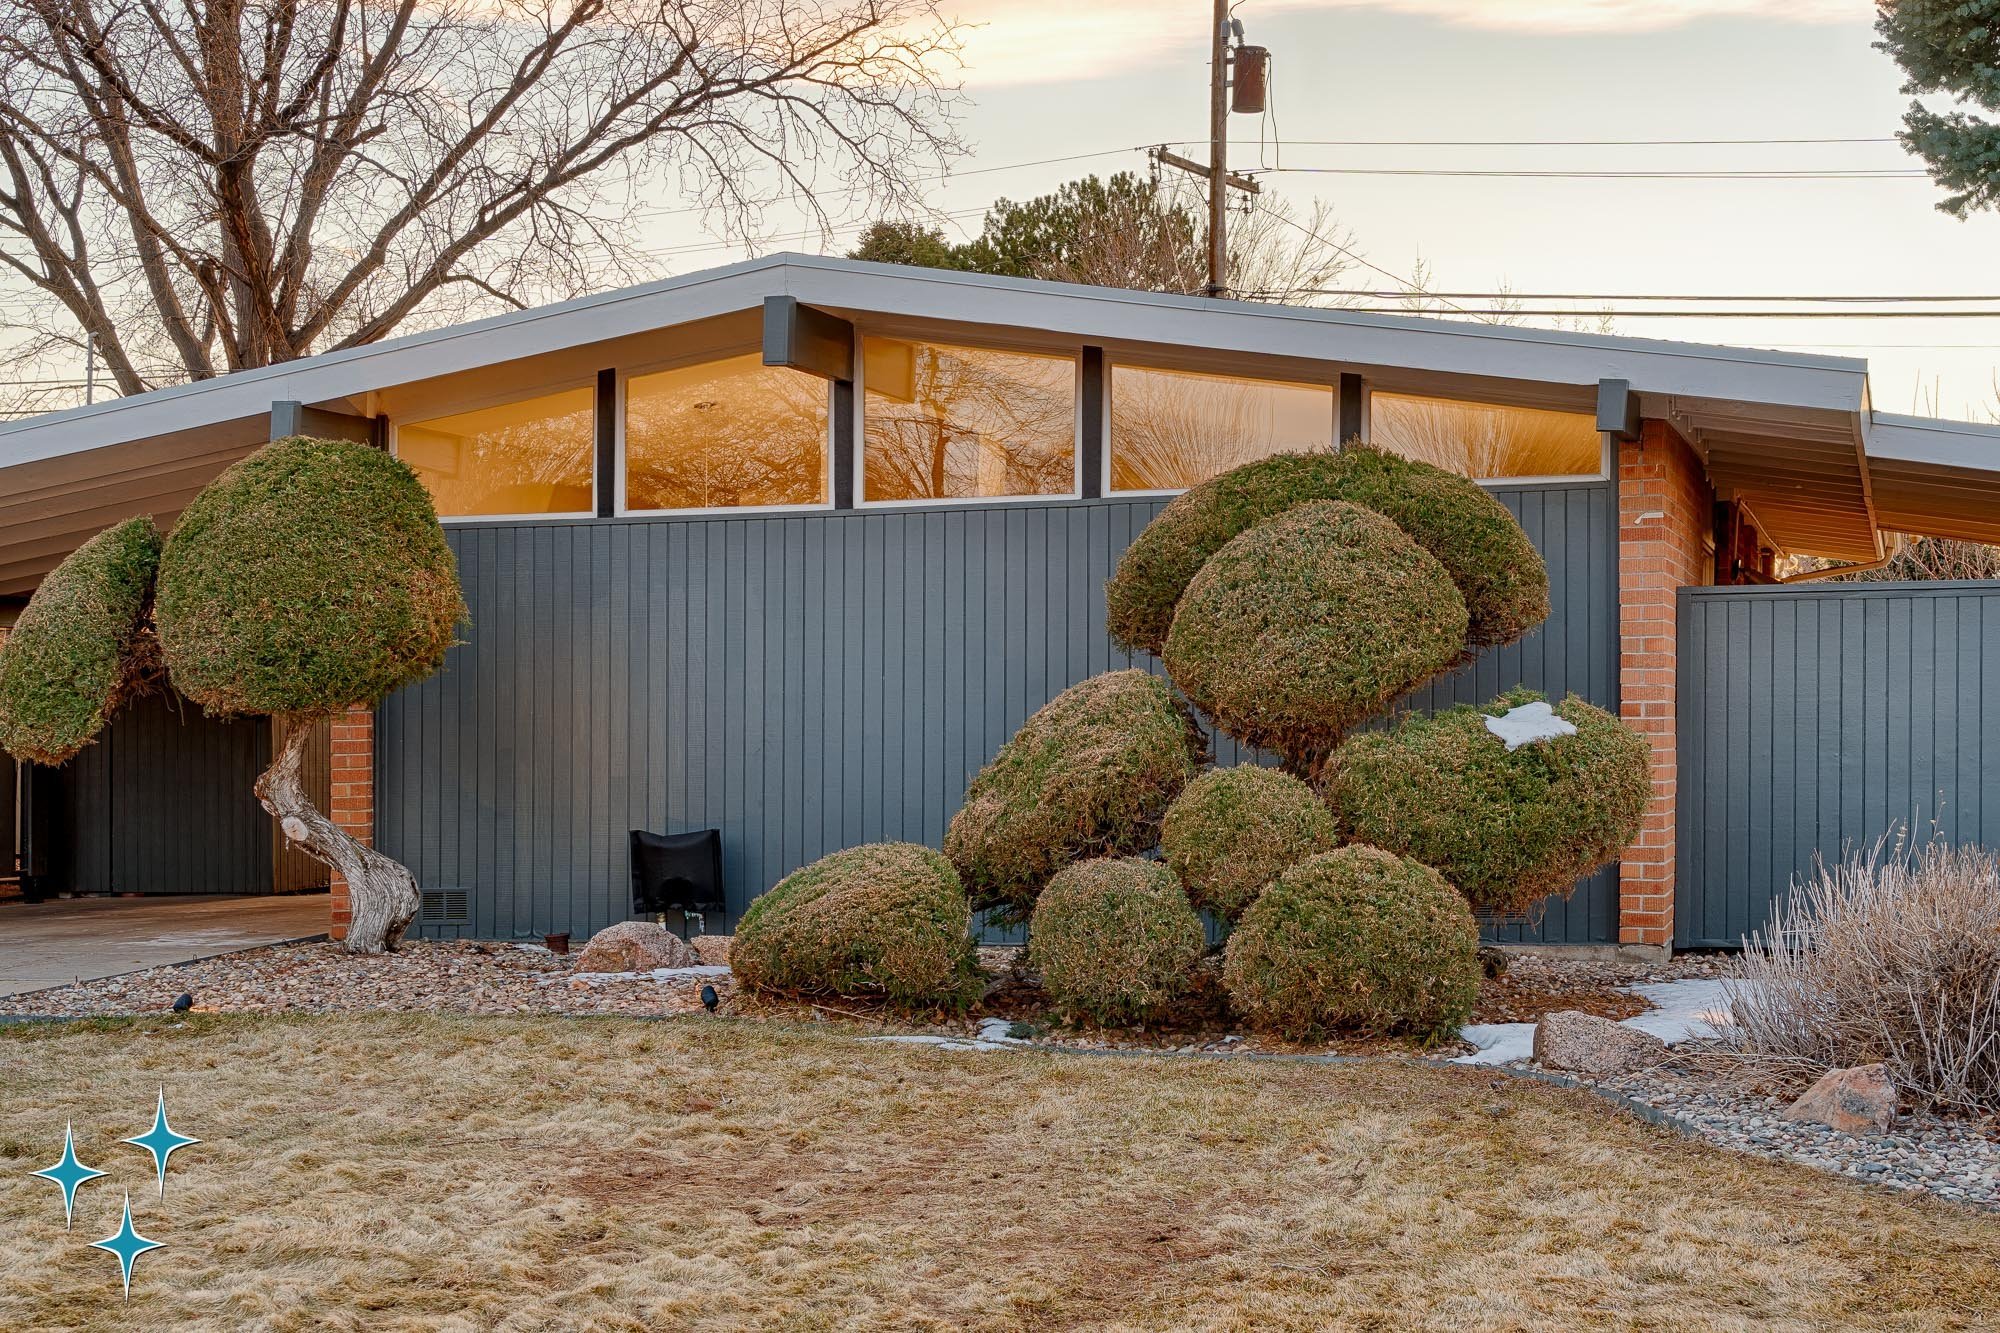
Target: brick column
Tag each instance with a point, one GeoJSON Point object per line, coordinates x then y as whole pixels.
{"type": "Point", "coordinates": [1665, 512]}
{"type": "Point", "coordinates": [353, 763]}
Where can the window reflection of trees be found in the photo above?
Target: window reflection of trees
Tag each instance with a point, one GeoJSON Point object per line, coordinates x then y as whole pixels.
{"type": "Point", "coordinates": [731, 434]}
{"type": "Point", "coordinates": [1172, 430]}
{"type": "Point", "coordinates": [525, 458]}
{"type": "Point", "coordinates": [969, 422]}
{"type": "Point", "coordinates": [1478, 440]}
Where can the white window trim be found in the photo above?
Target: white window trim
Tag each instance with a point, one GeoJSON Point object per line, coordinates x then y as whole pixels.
{"type": "Point", "coordinates": [623, 510]}
{"type": "Point", "coordinates": [500, 400]}
{"type": "Point", "coordinates": [1331, 383]}
{"type": "Point", "coordinates": [861, 500]}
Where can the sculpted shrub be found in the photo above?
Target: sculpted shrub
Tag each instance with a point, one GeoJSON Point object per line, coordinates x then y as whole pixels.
{"type": "Point", "coordinates": [308, 578]}
{"type": "Point", "coordinates": [1507, 829]}
{"type": "Point", "coordinates": [1355, 940]}
{"type": "Point", "coordinates": [1115, 940]}
{"type": "Point", "coordinates": [887, 921]}
{"type": "Point", "coordinates": [1088, 775]}
{"type": "Point", "coordinates": [1483, 549]}
{"type": "Point", "coordinates": [1310, 622]}
{"type": "Point", "coordinates": [1234, 830]}
{"type": "Point", "coordinates": [81, 647]}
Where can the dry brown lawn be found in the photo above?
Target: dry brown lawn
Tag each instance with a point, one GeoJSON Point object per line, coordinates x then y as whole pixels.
{"type": "Point", "coordinates": [419, 1172]}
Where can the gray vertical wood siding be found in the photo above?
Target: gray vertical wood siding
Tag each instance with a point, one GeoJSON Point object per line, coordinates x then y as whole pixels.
{"type": "Point", "coordinates": [1818, 717]}
{"type": "Point", "coordinates": [803, 683]}
{"type": "Point", "coordinates": [162, 803]}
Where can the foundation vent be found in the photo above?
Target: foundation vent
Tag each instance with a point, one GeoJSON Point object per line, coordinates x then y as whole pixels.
{"type": "Point", "coordinates": [444, 906]}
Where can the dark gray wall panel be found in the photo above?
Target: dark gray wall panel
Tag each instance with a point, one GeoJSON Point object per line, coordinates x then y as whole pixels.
{"type": "Point", "coordinates": [804, 683]}
{"type": "Point", "coordinates": [162, 803]}
{"type": "Point", "coordinates": [1819, 717]}
{"type": "Point", "coordinates": [1575, 651]}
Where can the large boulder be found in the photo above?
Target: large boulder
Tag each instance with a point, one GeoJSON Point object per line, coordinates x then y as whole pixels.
{"type": "Point", "coordinates": [634, 946]}
{"type": "Point", "coordinates": [1861, 1100]}
{"type": "Point", "coordinates": [1580, 1043]}
{"type": "Point", "coordinates": [1309, 623]}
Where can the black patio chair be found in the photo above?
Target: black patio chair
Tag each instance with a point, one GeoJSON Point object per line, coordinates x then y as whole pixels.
{"type": "Point", "coordinates": [677, 872]}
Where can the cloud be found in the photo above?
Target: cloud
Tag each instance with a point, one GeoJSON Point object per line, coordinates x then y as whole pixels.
{"type": "Point", "coordinates": [1036, 41]}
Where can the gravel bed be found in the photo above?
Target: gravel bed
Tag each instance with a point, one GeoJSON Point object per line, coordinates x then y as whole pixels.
{"type": "Point", "coordinates": [1953, 1158]}
{"type": "Point", "coordinates": [433, 976]}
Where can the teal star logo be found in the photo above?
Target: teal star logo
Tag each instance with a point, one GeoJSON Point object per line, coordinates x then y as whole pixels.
{"type": "Point", "coordinates": [127, 1244]}
{"type": "Point", "coordinates": [68, 1174]}
{"type": "Point", "coordinates": [161, 1141]}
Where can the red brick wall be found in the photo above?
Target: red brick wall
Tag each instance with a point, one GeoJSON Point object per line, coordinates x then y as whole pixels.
{"type": "Point", "coordinates": [353, 794]}
{"type": "Point", "coordinates": [1665, 513]}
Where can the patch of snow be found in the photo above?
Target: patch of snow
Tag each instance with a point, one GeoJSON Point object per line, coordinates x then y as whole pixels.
{"type": "Point", "coordinates": [661, 974]}
{"type": "Point", "coordinates": [944, 1043]}
{"type": "Point", "coordinates": [993, 1035]}
{"type": "Point", "coordinates": [1498, 1043]}
{"type": "Point", "coordinates": [1682, 1011]}
{"type": "Point", "coordinates": [999, 1029]}
{"type": "Point", "coordinates": [1528, 724]}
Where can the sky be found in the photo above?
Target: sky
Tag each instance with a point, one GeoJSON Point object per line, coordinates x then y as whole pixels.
{"type": "Point", "coordinates": [1049, 78]}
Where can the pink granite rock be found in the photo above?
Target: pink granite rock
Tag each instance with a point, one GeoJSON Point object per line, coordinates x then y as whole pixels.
{"type": "Point", "coordinates": [1861, 1100]}
{"type": "Point", "coordinates": [634, 946]}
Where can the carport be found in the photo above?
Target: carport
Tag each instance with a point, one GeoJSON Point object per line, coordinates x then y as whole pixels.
{"type": "Point", "coordinates": [52, 944]}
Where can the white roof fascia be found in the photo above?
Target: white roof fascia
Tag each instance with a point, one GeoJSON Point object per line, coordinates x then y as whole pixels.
{"type": "Point", "coordinates": [1090, 314]}
{"type": "Point", "coordinates": [1930, 442]}
{"type": "Point", "coordinates": [1326, 334]}
{"type": "Point", "coordinates": [381, 365]}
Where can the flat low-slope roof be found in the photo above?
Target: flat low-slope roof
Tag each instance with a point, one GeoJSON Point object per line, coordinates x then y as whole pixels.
{"type": "Point", "coordinates": [1789, 434]}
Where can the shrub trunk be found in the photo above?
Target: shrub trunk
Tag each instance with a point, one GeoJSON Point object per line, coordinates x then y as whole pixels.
{"type": "Point", "coordinates": [382, 893]}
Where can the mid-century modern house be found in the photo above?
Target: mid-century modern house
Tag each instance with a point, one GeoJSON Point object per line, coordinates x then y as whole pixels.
{"type": "Point", "coordinates": [787, 549]}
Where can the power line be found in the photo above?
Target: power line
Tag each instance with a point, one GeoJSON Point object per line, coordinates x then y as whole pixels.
{"type": "Point", "coordinates": [1511, 313]}
{"type": "Point", "coordinates": [795, 195]}
{"type": "Point", "coordinates": [1369, 264]}
{"type": "Point", "coordinates": [1559, 143]}
{"type": "Point", "coordinates": [1482, 173]}
{"type": "Point", "coordinates": [1642, 296]}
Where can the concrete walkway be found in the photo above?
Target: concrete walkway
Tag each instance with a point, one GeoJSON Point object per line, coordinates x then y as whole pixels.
{"type": "Point", "coordinates": [55, 943]}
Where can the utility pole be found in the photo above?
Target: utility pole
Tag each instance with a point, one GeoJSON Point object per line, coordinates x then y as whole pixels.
{"type": "Point", "coordinates": [1250, 65]}
{"type": "Point", "coordinates": [90, 367]}
{"type": "Point", "coordinates": [1218, 152]}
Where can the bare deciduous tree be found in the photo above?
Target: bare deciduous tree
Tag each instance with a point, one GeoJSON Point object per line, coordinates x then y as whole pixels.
{"type": "Point", "coordinates": [223, 184]}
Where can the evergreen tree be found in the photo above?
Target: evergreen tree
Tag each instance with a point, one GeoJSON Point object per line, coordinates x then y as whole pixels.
{"type": "Point", "coordinates": [1950, 46]}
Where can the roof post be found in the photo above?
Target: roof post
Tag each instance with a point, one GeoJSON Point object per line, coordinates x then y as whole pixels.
{"type": "Point", "coordinates": [1090, 455]}
{"type": "Point", "coordinates": [295, 418]}
{"type": "Point", "coordinates": [1347, 411]}
{"type": "Point", "coordinates": [803, 338]}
